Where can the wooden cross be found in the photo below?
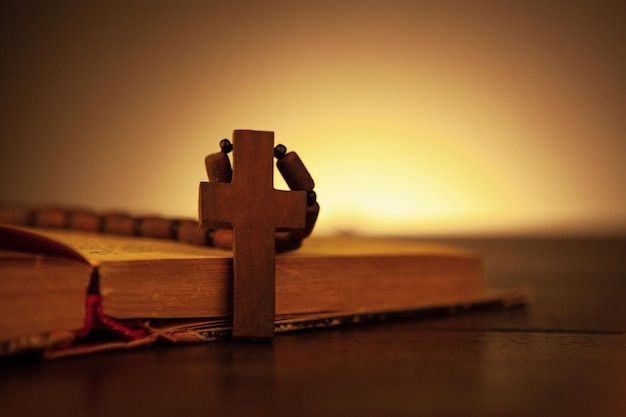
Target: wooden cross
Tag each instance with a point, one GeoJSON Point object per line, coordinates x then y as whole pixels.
{"type": "Point", "coordinates": [254, 210]}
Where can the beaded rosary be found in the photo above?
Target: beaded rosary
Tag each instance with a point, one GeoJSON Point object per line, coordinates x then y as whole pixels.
{"type": "Point", "coordinates": [219, 169]}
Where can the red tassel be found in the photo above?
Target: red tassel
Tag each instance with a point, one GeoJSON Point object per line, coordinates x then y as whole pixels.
{"type": "Point", "coordinates": [96, 319]}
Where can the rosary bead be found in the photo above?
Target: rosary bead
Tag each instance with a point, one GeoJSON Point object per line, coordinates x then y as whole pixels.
{"type": "Point", "coordinates": [295, 173]}
{"type": "Point", "coordinates": [286, 242]}
{"type": "Point", "coordinates": [280, 151]}
{"type": "Point", "coordinates": [155, 227]}
{"type": "Point", "coordinates": [223, 238]}
{"type": "Point", "coordinates": [189, 231]}
{"type": "Point", "coordinates": [226, 146]}
{"type": "Point", "coordinates": [311, 198]}
{"type": "Point", "coordinates": [312, 212]}
{"type": "Point", "coordinates": [218, 167]}
{"type": "Point", "coordinates": [16, 215]}
{"type": "Point", "coordinates": [118, 224]}
{"type": "Point", "coordinates": [83, 220]}
{"type": "Point", "coordinates": [50, 217]}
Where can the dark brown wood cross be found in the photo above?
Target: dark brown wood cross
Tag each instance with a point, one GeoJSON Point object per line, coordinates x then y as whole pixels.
{"type": "Point", "coordinates": [254, 210]}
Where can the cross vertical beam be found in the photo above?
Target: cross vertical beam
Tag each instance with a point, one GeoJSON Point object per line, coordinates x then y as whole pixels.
{"type": "Point", "coordinates": [255, 210]}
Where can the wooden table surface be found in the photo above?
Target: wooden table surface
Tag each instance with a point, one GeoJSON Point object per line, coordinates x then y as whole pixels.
{"type": "Point", "coordinates": [563, 355]}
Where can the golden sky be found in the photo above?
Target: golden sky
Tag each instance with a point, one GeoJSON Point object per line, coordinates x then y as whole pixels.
{"type": "Point", "coordinates": [414, 117]}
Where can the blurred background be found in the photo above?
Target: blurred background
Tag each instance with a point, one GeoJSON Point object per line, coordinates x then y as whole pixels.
{"type": "Point", "coordinates": [414, 117]}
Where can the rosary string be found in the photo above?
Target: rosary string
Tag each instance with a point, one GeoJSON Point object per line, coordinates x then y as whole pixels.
{"type": "Point", "coordinates": [184, 230]}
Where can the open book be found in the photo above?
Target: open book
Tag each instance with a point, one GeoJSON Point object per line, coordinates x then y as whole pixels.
{"type": "Point", "coordinates": [58, 287]}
